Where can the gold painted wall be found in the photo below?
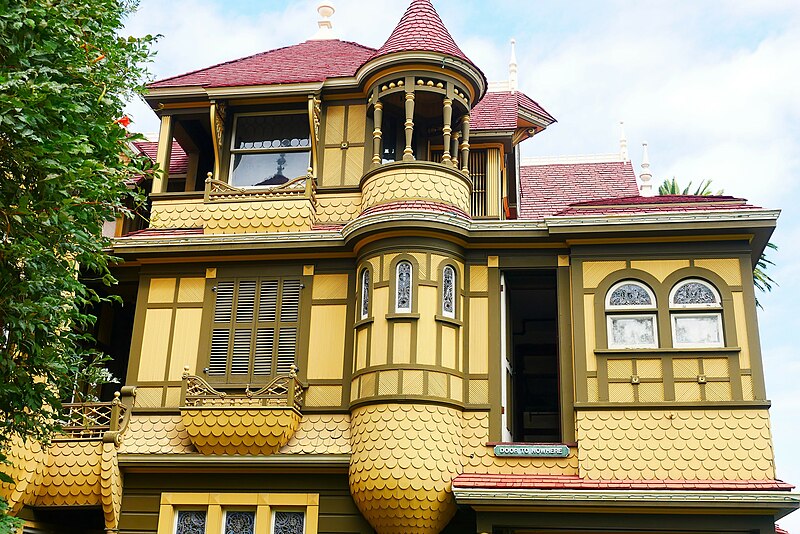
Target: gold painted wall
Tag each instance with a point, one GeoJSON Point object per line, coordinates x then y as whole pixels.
{"type": "Point", "coordinates": [338, 208]}
{"type": "Point", "coordinates": [675, 444]}
{"type": "Point", "coordinates": [166, 337]}
{"type": "Point", "coordinates": [344, 145]}
{"type": "Point", "coordinates": [421, 181]}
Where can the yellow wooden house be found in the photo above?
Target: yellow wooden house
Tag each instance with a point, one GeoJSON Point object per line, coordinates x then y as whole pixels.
{"type": "Point", "coordinates": [354, 308]}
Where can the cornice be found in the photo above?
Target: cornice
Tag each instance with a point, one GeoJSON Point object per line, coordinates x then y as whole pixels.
{"type": "Point", "coordinates": [616, 219]}
{"type": "Point", "coordinates": [179, 461]}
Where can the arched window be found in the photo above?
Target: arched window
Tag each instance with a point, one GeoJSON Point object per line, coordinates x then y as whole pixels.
{"type": "Point", "coordinates": [696, 315]}
{"type": "Point", "coordinates": [403, 292]}
{"type": "Point", "coordinates": [449, 292]}
{"type": "Point", "coordinates": [365, 286]}
{"type": "Point", "coordinates": [631, 316]}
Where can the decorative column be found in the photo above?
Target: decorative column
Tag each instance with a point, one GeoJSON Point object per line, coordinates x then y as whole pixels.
{"type": "Point", "coordinates": [447, 129]}
{"type": "Point", "coordinates": [465, 145]}
{"type": "Point", "coordinates": [377, 134]}
{"type": "Point", "coordinates": [454, 149]}
{"type": "Point", "coordinates": [163, 155]}
{"type": "Point", "coordinates": [408, 153]}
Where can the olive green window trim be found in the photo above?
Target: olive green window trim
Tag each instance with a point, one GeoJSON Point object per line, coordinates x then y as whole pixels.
{"type": "Point", "coordinates": [681, 311]}
{"type": "Point", "coordinates": [254, 328]}
{"type": "Point", "coordinates": [364, 295]}
{"type": "Point", "coordinates": [457, 292]}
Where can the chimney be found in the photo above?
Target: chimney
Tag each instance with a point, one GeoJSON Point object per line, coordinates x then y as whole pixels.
{"type": "Point", "coordinates": [325, 31]}
{"type": "Point", "coordinates": [646, 188]}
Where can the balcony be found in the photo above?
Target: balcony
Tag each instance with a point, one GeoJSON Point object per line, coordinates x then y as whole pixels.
{"type": "Point", "coordinates": [79, 468]}
{"type": "Point", "coordinates": [223, 209]}
{"type": "Point", "coordinates": [255, 423]}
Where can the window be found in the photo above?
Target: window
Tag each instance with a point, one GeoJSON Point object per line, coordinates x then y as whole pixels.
{"type": "Point", "coordinates": [403, 296]}
{"type": "Point", "coordinates": [254, 331]}
{"type": "Point", "coordinates": [190, 522]}
{"type": "Point", "coordinates": [631, 316]}
{"type": "Point", "coordinates": [449, 292]}
{"type": "Point", "coordinates": [285, 522]}
{"type": "Point", "coordinates": [695, 323]}
{"type": "Point", "coordinates": [269, 150]}
{"type": "Point", "coordinates": [237, 522]}
{"type": "Point", "coordinates": [365, 286]}
{"type": "Point", "coordinates": [238, 513]}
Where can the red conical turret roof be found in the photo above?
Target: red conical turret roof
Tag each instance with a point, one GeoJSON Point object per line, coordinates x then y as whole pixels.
{"type": "Point", "coordinates": [421, 29]}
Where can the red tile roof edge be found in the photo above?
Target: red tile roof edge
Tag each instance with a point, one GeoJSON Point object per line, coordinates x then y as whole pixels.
{"type": "Point", "coordinates": [779, 530]}
{"type": "Point", "coordinates": [162, 82]}
{"type": "Point", "coordinates": [415, 205]}
{"type": "Point", "coordinates": [571, 482]}
{"type": "Point", "coordinates": [659, 199]}
{"type": "Point", "coordinates": [164, 232]}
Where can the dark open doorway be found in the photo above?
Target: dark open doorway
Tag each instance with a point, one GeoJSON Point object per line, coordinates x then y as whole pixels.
{"type": "Point", "coordinates": [532, 348]}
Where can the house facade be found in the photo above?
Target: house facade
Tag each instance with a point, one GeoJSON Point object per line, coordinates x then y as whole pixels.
{"type": "Point", "coordinates": [353, 308]}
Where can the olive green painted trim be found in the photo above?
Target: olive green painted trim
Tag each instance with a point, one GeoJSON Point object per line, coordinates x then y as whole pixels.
{"type": "Point", "coordinates": [698, 405]}
{"type": "Point", "coordinates": [547, 258]}
{"type": "Point", "coordinates": [565, 355]}
{"type": "Point", "coordinates": [435, 368]}
{"type": "Point", "coordinates": [579, 331]}
{"type": "Point", "coordinates": [675, 353]}
{"type": "Point", "coordinates": [304, 325]}
{"type": "Point", "coordinates": [402, 317]}
{"type": "Point", "coordinates": [199, 461]}
{"type": "Point", "coordinates": [364, 322]}
{"type": "Point", "coordinates": [331, 302]}
{"type": "Point", "coordinates": [753, 335]}
{"type": "Point", "coordinates": [496, 371]}
{"type": "Point", "coordinates": [449, 321]}
{"type": "Point", "coordinates": [407, 399]}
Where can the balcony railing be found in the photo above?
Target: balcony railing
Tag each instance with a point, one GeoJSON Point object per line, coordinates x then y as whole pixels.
{"type": "Point", "coordinates": [283, 391]}
{"type": "Point", "coordinates": [91, 421]}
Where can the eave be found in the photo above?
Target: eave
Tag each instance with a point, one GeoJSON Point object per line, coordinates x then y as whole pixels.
{"type": "Point", "coordinates": [195, 462]}
{"type": "Point", "coordinates": [776, 503]}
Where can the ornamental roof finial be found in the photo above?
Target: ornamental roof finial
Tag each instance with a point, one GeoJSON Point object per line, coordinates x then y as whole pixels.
{"type": "Point", "coordinates": [646, 188]}
{"type": "Point", "coordinates": [513, 81]}
{"type": "Point", "coordinates": [623, 143]}
{"type": "Point", "coordinates": [325, 31]}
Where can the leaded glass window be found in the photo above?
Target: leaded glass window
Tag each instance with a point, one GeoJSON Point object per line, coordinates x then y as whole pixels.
{"type": "Point", "coordinates": [269, 149]}
{"type": "Point", "coordinates": [630, 295]}
{"type": "Point", "coordinates": [365, 286]}
{"type": "Point", "coordinates": [240, 522]}
{"type": "Point", "coordinates": [690, 328]}
{"type": "Point", "coordinates": [403, 297]}
{"type": "Point", "coordinates": [694, 294]}
{"type": "Point", "coordinates": [191, 522]}
{"type": "Point", "coordinates": [631, 330]}
{"type": "Point", "coordinates": [289, 523]}
{"type": "Point", "coordinates": [449, 292]}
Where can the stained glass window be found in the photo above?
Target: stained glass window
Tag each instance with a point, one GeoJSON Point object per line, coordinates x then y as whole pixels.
{"type": "Point", "coordinates": [694, 294]}
{"type": "Point", "coordinates": [365, 283]}
{"type": "Point", "coordinates": [449, 292]}
{"type": "Point", "coordinates": [630, 294]}
{"type": "Point", "coordinates": [403, 297]}
{"type": "Point", "coordinates": [191, 522]}
{"type": "Point", "coordinates": [240, 522]}
{"type": "Point", "coordinates": [289, 523]}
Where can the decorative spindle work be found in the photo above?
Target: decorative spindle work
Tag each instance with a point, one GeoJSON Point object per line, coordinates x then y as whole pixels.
{"type": "Point", "coordinates": [191, 522]}
{"type": "Point", "coordinates": [289, 523]}
{"type": "Point", "coordinates": [403, 299]}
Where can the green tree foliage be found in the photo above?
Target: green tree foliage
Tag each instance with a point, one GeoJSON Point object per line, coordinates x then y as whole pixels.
{"type": "Point", "coordinates": [65, 75]}
{"type": "Point", "coordinates": [761, 279]}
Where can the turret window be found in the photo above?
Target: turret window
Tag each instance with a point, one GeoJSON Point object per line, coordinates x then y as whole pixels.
{"type": "Point", "coordinates": [403, 293]}
{"type": "Point", "coordinates": [631, 316]}
{"type": "Point", "coordinates": [365, 287]}
{"type": "Point", "coordinates": [269, 149]}
{"type": "Point", "coordinates": [696, 315]}
{"type": "Point", "coordinates": [449, 292]}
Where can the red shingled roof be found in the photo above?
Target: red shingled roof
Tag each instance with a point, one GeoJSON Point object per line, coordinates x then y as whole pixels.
{"type": "Point", "coordinates": [548, 189]}
{"type": "Point", "coordinates": [666, 203]}
{"type": "Point", "coordinates": [779, 530]}
{"type": "Point", "coordinates": [421, 29]}
{"type": "Point", "coordinates": [573, 482]}
{"type": "Point", "coordinates": [178, 163]}
{"type": "Point", "coordinates": [500, 110]}
{"type": "Point", "coordinates": [311, 61]}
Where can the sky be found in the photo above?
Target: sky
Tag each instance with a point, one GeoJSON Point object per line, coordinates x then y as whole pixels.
{"type": "Point", "coordinates": [713, 86]}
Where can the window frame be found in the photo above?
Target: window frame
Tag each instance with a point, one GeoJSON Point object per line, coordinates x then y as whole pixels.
{"type": "Point", "coordinates": [365, 297]}
{"type": "Point", "coordinates": [454, 288]}
{"type": "Point", "coordinates": [699, 309]}
{"type": "Point", "coordinates": [630, 311]}
{"type": "Point", "coordinates": [233, 152]}
{"type": "Point", "coordinates": [397, 309]}
{"type": "Point", "coordinates": [215, 505]}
